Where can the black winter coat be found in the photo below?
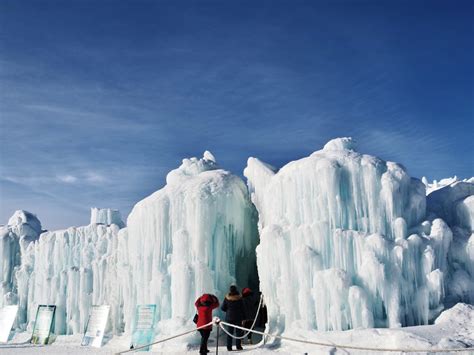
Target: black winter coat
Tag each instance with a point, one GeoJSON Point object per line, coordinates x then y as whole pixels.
{"type": "Point", "coordinates": [251, 304]}
{"type": "Point", "coordinates": [234, 309]}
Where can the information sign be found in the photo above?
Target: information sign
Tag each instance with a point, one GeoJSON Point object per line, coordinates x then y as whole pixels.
{"type": "Point", "coordinates": [43, 324]}
{"type": "Point", "coordinates": [96, 324]}
{"type": "Point", "coordinates": [7, 318]}
{"type": "Point", "coordinates": [144, 326]}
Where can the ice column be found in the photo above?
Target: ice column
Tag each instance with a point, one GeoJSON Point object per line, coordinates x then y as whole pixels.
{"type": "Point", "coordinates": [196, 235]}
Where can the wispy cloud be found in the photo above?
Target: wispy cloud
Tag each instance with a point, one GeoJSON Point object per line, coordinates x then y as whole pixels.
{"type": "Point", "coordinates": [95, 178]}
{"type": "Point", "coordinates": [100, 120]}
{"type": "Point", "coordinates": [68, 179]}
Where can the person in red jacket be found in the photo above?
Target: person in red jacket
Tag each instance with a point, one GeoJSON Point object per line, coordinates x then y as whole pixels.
{"type": "Point", "coordinates": [205, 304]}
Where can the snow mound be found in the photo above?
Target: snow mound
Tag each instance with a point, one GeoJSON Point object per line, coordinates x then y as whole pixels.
{"type": "Point", "coordinates": [196, 235]}
{"type": "Point", "coordinates": [344, 243]}
{"type": "Point", "coordinates": [461, 313]}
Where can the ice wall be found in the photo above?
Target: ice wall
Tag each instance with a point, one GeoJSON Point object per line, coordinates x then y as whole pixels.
{"type": "Point", "coordinates": [454, 202]}
{"type": "Point", "coordinates": [196, 235]}
{"type": "Point", "coordinates": [343, 243]}
{"type": "Point", "coordinates": [73, 269]}
{"type": "Point", "coordinates": [22, 228]}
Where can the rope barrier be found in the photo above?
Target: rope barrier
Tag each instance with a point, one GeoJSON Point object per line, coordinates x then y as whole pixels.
{"type": "Point", "coordinates": [221, 324]}
{"type": "Point", "coordinates": [169, 338]}
{"type": "Point", "coordinates": [353, 347]}
{"type": "Point", "coordinates": [253, 324]}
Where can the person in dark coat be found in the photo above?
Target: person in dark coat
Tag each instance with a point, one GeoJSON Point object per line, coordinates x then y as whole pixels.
{"type": "Point", "coordinates": [205, 304]}
{"type": "Point", "coordinates": [233, 306]}
{"type": "Point", "coordinates": [251, 305]}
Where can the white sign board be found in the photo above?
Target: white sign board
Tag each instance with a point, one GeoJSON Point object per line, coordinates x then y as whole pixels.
{"type": "Point", "coordinates": [7, 317]}
{"type": "Point", "coordinates": [43, 324]}
{"type": "Point", "coordinates": [144, 328]}
{"type": "Point", "coordinates": [96, 326]}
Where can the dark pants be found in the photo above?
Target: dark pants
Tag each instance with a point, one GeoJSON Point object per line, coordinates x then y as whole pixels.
{"type": "Point", "coordinates": [204, 337]}
{"type": "Point", "coordinates": [238, 333]}
{"type": "Point", "coordinates": [247, 324]}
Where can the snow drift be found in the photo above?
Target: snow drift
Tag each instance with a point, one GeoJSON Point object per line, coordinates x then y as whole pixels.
{"type": "Point", "coordinates": [344, 243]}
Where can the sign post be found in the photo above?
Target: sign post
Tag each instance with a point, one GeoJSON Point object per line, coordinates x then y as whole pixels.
{"type": "Point", "coordinates": [95, 327]}
{"type": "Point", "coordinates": [44, 323]}
{"type": "Point", "coordinates": [7, 317]}
{"type": "Point", "coordinates": [144, 326]}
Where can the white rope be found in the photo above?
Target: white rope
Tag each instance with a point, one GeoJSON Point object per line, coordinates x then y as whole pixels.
{"type": "Point", "coordinates": [221, 324]}
{"type": "Point", "coordinates": [253, 324]}
{"type": "Point", "coordinates": [169, 338]}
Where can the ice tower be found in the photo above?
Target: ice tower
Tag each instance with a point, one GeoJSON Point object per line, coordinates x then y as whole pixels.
{"type": "Point", "coordinates": [343, 243]}
{"type": "Point", "coordinates": [196, 235]}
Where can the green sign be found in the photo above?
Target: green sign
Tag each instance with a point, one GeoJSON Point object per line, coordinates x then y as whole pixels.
{"type": "Point", "coordinates": [44, 323]}
{"type": "Point", "coordinates": [144, 326]}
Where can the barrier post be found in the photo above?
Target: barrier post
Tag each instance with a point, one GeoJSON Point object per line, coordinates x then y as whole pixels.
{"type": "Point", "coordinates": [217, 340]}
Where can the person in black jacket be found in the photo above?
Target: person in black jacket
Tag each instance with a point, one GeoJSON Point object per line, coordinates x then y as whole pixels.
{"type": "Point", "coordinates": [234, 309]}
{"type": "Point", "coordinates": [251, 303]}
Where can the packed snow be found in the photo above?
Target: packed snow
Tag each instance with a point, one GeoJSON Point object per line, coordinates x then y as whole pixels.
{"type": "Point", "coordinates": [452, 330]}
{"type": "Point", "coordinates": [341, 240]}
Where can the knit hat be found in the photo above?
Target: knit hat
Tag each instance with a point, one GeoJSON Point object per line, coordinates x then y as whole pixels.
{"type": "Point", "coordinates": [246, 291]}
{"type": "Point", "coordinates": [233, 290]}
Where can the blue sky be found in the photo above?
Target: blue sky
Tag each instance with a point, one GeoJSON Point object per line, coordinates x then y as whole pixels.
{"type": "Point", "coordinates": [100, 99]}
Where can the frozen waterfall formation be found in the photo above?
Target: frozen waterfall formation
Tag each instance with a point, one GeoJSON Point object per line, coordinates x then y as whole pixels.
{"type": "Point", "coordinates": [196, 235]}
{"type": "Point", "coordinates": [73, 269]}
{"type": "Point", "coordinates": [345, 242]}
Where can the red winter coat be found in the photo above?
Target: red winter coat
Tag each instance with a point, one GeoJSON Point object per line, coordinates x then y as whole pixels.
{"type": "Point", "coordinates": [205, 304]}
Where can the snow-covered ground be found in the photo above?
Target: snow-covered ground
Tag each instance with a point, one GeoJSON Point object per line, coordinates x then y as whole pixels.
{"type": "Point", "coordinates": [454, 329]}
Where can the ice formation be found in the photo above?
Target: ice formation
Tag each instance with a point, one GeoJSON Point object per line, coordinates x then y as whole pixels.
{"type": "Point", "coordinates": [436, 185]}
{"type": "Point", "coordinates": [454, 202]}
{"type": "Point", "coordinates": [73, 269]}
{"type": "Point", "coordinates": [347, 240]}
{"type": "Point", "coordinates": [22, 228]}
{"type": "Point", "coordinates": [344, 243]}
{"type": "Point", "coordinates": [106, 216]}
{"type": "Point", "coordinates": [196, 235]}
